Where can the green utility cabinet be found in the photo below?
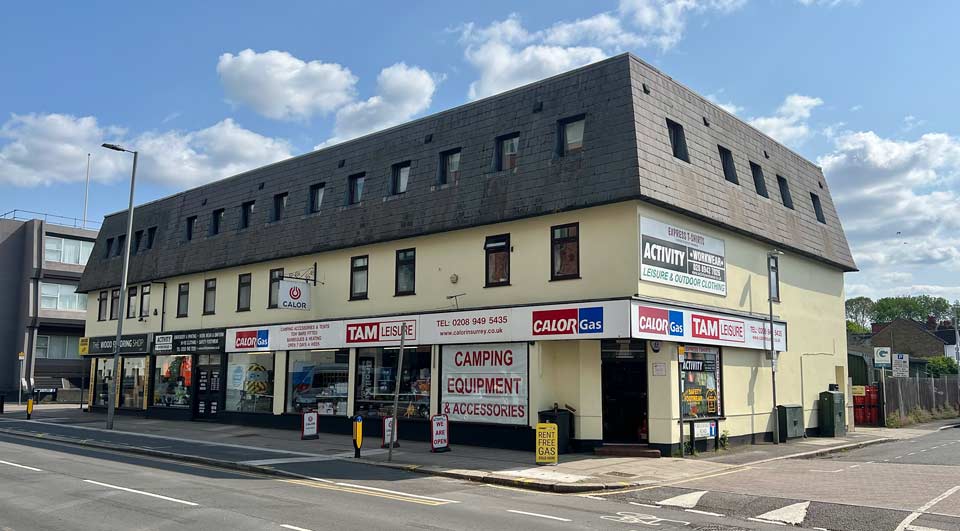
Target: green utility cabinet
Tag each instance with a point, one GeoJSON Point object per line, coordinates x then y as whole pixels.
{"type": "Point", "coordinates": [790, 417]}
{"type": "Point", "coordinates": [832, 414]}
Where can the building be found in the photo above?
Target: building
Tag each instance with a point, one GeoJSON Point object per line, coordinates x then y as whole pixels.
{"type": "Point", "coordinates": [41, 260]}
{"type": "Point", "coordinates": [530, 249]}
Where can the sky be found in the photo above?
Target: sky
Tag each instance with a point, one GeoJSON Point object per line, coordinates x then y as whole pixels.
{"type": "Point", "coordinates": [865, 89]}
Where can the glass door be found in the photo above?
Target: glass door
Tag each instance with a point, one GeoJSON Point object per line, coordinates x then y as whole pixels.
{"type": "Point", "coordinates": [209, 395]}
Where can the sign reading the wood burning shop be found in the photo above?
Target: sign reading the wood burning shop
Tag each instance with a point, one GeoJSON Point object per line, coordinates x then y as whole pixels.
{"type": "Point", "coordinates": [485, 383]}
{"type": "Point", "coordinates": [680, 257]}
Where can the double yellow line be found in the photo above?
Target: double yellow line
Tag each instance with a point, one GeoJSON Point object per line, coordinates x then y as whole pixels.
{"type": "Point", "coordinates": [365, 492]}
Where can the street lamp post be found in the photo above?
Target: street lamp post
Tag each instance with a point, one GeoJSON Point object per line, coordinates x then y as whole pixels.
{"type": "Point", "coordinates": [121, 312]}
{"type": "Point", "coordinates": [773, 294]}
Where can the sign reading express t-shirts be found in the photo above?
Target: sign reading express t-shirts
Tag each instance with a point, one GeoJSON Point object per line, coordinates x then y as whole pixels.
{"type": "Point", "coordinates": [680, 257]}
{"type": "Point", "coordinates": [485, 383]}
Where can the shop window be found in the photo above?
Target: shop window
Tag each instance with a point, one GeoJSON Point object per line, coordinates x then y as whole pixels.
{"type": "Point", "coordinates": [172, 381]}
{"type": "Point", "coordinates": [101, 381]}
{"type": "Point", "coordinates": [449, 166]}
{"type": "Point", "coordinates": [316, 197]}
{"type": "Point", "coordinates": [317, 379]}
{"type": "Point", "coordinates": [114, 303]}
{"type": "Point", "coordinates": [400, 178]}
{"type": "Point", "coordinates": [131, 305]}
{"type": "Point", "coordinates": [209, 296]}
{"type": "Point", "coordinates": [145, 300]}
{"type": "Point", "coordinates": [250, 382]}
{"type": "Point", "coordinates": [406, 273]}
{"type": "Point", "coordinates": [358, 277]}
{"type": "Point", "coordinates": [701, 381]}
{"type": "Point", "coordinates": [276, 275]}
{"type": "Point", "coordinates": [565, 251]}
{"type": "Point", "coordinates": [376, 381]}
{"type": "Point", "coordinates": [570, 134]}
{"type": "Point", "coordinates": [508, 148]}
{"type": "Point", "coordinates": [246, 213]}
{"type": "Point", "coordinates": [243, 292]}
{"type": "Point", "coordinates": [678, 141]}
{"type": "Point", "coordinates": [497, 250]}
{"type": "Point", "coordinates": [102, 306]}
{"type": "Point", "coordinates": [183, 299]}
{"type": "Point", "coordinates": [133, 381]}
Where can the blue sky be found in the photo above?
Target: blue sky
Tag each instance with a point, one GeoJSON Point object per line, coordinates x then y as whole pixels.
{"type": "Point", "coordinates": [866, 89]}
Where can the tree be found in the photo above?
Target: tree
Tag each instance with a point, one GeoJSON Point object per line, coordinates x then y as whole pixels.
{"type": "Point", "coordinates": [936, 307]}
{"type": "Point", "coordinates": [859, 310]}
{"type": "Point", "coordinates": [856, 328]}
{"type": "Point", "coordinates": [891, 308]}
{"type": "Point", "coordinates": [939, 366]}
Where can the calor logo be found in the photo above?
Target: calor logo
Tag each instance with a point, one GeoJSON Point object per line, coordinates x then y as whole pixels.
{"type": "Point", "coordinates": [250, 339]}
{"type": "Point", "coordinates": [295, 293]}
{"type": "Point", "coordinates": [568, 321]}
{"type": "Point", "coordinates": [660, 321]}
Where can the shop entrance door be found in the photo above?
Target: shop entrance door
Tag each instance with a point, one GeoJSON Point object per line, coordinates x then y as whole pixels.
{"type": "Point", "coordinates": [209, 396]}
{"type": "Point", "coordinates": [624, 388]}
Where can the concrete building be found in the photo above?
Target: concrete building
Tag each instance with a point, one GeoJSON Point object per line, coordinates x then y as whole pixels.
{"type": "Point", "coordinates": [43, 316]}
{"type": "Point", "coordinates": [558, 244]}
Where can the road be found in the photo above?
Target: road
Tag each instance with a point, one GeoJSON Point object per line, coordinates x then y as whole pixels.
{"type": "Point", "coordinates": [47, 485]}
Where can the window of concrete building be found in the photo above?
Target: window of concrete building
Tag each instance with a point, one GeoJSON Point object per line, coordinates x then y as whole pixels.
{"type": "Point", "coordinates": [250, 379]}
{"type": "Point", "coordinates": [508, 149]}
{"type": "Point", "coordinates": [131, 302]}
{"type": "Point", "coordinates": [355, 188]}
{"type": "Point", "coordinates": [729, 168]}
{"type": "Point", "coordinates": [276, 275]}
{"type": "Point", "coordinates": [191, 227]}
{"type": "Point", "coordinates": [279, 206]}
{"type": "Point", "coordinates": [785, 192]}
{"type": "Point", "coordinates": [246, 213]}
{"type": "Point", "coordinates": [216, 221]}
{"type": "Point", "coordinates": [497, 264]}
{"type": "Point", "coordinates": [400, 178]}
{"type": "Point", "coordinates": [406, 272]}
{"type": "Point", "coordinates": [61, 297]}
{"type": "Point", "coordinates": [58, 347]}
{"type": "Point", "coordinates": [570, 134]}
{"type": "Point", "coordinates": [209, 296]}
{"type": "Point", "coordinates": [172, 381]}
{"type": "Point", "coordinates": [376, 381]}
{"type": "Point", "coordinates": [121, 244]}
{"type": "Point", "coordinates": [316, 197]}
{"type": "Point", "coordinates": [678, 141]}
{"type": "Point", "coordinates": [449, 166]}
{"type": "Point", "coordinates": [358, 277]}
{"type": "Point", "coordinates": [759, 182]}
{"type": "Point", "coordinates": [183, 299]}
{"type": "Point", "coordinates": [114, 303]}
{"type": "Point", "coordinates": [66, 250]}
{"type": "Point", "coordinates": [145, 300]}
{"type": "Point", "coordinates": [151, 236]}
{"type": "Point", "coordinates": [817, 207]}
{"type": "Point", "coordinates": [318, 379]}
{"type": "Point", "coordinates": [244, 282]}
{"type": "Point", "coordinates": [565, 251]}
{"type": "Point", "coordinates": [102, 306]}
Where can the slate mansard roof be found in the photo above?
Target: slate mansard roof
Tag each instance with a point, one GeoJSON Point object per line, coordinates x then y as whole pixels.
{"type": "Point", "coordinates": [626, 155]}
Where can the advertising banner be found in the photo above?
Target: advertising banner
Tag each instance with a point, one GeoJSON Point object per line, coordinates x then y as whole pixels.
{"type": "Point", "coordinates": [309, 425]}
{"type": "Point", "coordinates": [382, 332]}
{"type": "Point", "coordinates": [248, 339]}
{"type": "Point", "coordinates": [132, 344]}
{"type": "Point", "coordinates": [294, 295]}
{"type": "Point", "coordinates": [303, 336]}
{"type": "Point", "coordinates": [684, 325]}
{"type": "Point", "coordinates": [485, 383]}
{"type": "Point", "coordinates": [683, 258]}
{"type": "Point", "coordinates": [547, 451]}
{"type": "Point", "coordinates": [189, 341]}
{"type": "Point", "coordinates": [440, 433]}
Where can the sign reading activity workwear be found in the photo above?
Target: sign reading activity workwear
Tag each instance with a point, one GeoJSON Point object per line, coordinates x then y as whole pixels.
{"type": "Point", "coordinates": [547, 443]}
{"type": "Point", "coordinates": [294, 295]}
{"type": "Point", "coordinates": [673, 324]}
{"type": "Point", "coordinates": [683, 258]}
{"type": "Point", "coordinates": [485, 383]}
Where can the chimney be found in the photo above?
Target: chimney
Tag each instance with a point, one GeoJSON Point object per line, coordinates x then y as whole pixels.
{"type": "Point", "coordinates": [877, 327]}
{"type": "Point", "coordinates": [931, 323]}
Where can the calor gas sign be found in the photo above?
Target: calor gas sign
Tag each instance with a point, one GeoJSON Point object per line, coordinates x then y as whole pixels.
{"type": "Point", "coordinates": [568, 321]}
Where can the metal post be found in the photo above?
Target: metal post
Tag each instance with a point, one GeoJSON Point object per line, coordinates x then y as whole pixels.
{"type": "Point", "coordinates": [121, 312]}
{"type": "Point", "coordinates": [773, 352]}
{"type": "Point", "coordinates": [883, 401]}
{"type": "Point", "coordinates": [86, 194]}
{"type": "Point", "coordinates": [680, 397]}
{"type": "Point", "coordinates": [918, 386]}
{"type": "Point", "coordinates": [20, 383]}
{"type": "Point", "coordinates": [396, 395]}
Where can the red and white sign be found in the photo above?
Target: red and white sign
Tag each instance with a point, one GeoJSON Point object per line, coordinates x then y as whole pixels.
{"type": "Point", "coordinates": [669, 323]}
{"type": "Point", "coordinates": [440, 433]}
{"type": "Point", "coordinates": [485, 383]}
{"type": "Point", "coordinates": [374, 332]}
{"type": "Point", "coordinates": [304, 336]}
{"type": "Point", "coordinates": [309, 425]}
{"type": "Point", "coordinates": [717, 328]}
{"type": "Point", "coordinates": [459, 327]}
{"type": "Point", "coordinates": [293, 295]}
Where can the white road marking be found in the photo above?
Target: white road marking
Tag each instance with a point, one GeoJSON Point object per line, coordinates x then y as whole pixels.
{"type": "Point", "coordinates": [141, 492]}
{"type": "Point", "coordinates": [398, 493]}
{"type": "Point", "coordinates": [791, 514]}
{"type": "Point", "coordinates": [766, 521]}
{"type": "Point", "coordinates": [685, 501]}
{"type": "Point", "coordinates": [540, 515]}
{"type": "Point", "coordinates": [283, 460]}
{"type": "Point", "coordinates": [593, 497]}
{"type": "Point", "coordinates": [647, 505]}
{"type": "Point", "coordinates": [921, 528]}
{"type": "Point", "coordinates": [708, 513]}
{"type": "Point", "coordinates": [916, 514]}
{"type": "Point", "coordinates": [854, 466]}
{"type": "Point", "coordinates": [20, 466]}
{"type": "Point", "coordinates": [827, 471]}
{"type": "Point", "coordinates": [295, 528]}
{"type": "Point", "coordinates": [898, 457]}
{"type": "Point", "coordinates": [912, 453]}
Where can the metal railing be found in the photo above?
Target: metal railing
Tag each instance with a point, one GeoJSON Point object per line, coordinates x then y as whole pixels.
{"type": "Point", "coordinates": [53, 219]}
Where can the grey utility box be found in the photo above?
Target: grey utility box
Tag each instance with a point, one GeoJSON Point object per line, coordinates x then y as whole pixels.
{"type": "Point", "coordinates": [790, 417]}
{"type": "Point", "coordinates": [832, 414]}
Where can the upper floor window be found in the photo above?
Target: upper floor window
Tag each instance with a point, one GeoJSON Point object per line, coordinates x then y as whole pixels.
{"type": "Point", "coordinates": [678, 141]}
{"type": "Point", "coordinates": [358, 277]}
{"type": "Point", "coordinates": [759, 182]}
{"type": "Point", "coordinates": [209, 296]}
{"type": "Point", "coordinates": [114, 303]}
{"type": "Point", "coordinates": [66, 250]}
{"type": "Point", "coordinates": [400, 178]}
{"type": "Point", "coordinates": [571, 135]}
{"type": "Point", "coordinates": [191, 227]}
{"type": "Point", "coordinates": [216, 221]}
{"type": "Point", "coordinates": [183, 299]}
{"type": "Point", "coordinates": [121, 244]}
{"type": "Point", "coordinates": [565, 251]}
{"type": "Point", "coordinates": [729, 168]}
{"type": "Point", "coordinates": [61, 297]}
{"type": "Point", "coordinates": [145, 300]}
{"type": "Point", "coordinates": [316, 197]}
{"type": "Point", "coordinates": [244, 282]}
{"type": "Point", "coordinates": [508, 148]}
{"type": "Point", "coordinates": [449, 166]}
{"type": "Point", "coordinates": [137, 241]}
{"type": "Point", "coordinates": [276, 275]}
{"type": "Point", "coordinates": [817, 207]}
{"type": "Point", "coordinates": [497, 264]}
{"type": "Point", "coordinates": [109, 249]}
{"type": "Point", "coordinates": [355, 188]}
{"type": "Point", "coordinates": [246, 213]}
{"type": "Point", "coordinates": [279, 206]}
{"type": "Point", "coordinates": [131, 302]}
{"type": "Point", "coordinates": [785, 192]}
{"type": "Point", "coordinates": [151, 236]}
{"type": "Point", "coordinates": [102, 306]}
{"type": "Point", "coordinates": [406, 272]}
{"type": "Point", "coordinates": [58, 347]}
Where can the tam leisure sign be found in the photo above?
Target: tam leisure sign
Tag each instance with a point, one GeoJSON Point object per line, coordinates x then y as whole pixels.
{"type": "Point", "coordinates": [683, 258]}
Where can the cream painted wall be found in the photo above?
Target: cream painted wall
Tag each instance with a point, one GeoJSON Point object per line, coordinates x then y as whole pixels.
{"type": "Point", "coordinates": [570, 375]}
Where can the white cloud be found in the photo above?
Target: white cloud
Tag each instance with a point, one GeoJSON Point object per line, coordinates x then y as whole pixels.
{"type": "Point", "coordinates": [662, 22]}
{"type": "Point", "coordinates": [402, 93]}
{"type": "Point", "coordinates": [789, 123]}
{"type": "Point", "coordinates": [856, 108]}
{"type": "Point", "coordinates": [280, 86]}
{"type": "Point", "coordinates": [729, 106]}
{"type": "Point", "coordinates": [829, 3]}
{"type": "Point", "coordinates": [911, 122]}
{"type": "Point", "coordinates": [49, 149]}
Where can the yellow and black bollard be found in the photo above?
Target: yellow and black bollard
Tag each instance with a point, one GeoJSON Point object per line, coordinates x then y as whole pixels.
{"type": "Point", "coordinates": [29, 408]}
{"type": "Point", "coordinates": [357, 436]}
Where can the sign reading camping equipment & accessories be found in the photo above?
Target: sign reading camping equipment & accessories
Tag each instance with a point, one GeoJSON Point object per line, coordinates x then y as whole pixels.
{"type": "Point", "coordinates": [683, 258]}
{"type": "Point", "coordinates": [485, 383]}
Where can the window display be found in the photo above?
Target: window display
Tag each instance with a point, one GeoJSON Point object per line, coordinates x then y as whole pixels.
{"type": "Point", "coordinates": [133, 381]}
{"type": "Point", "coordinates": [101, 381]}
{"type": "Point", "coordinates": [172, 380]}
{"type": "Point", "coordinates": [701, 381]}
{"type": "Point", "coordinates": [317, 379]}
{"type": "Point", "coordinates": [376, 381]}
{"type": "Point", "coordinates": [250, 382]}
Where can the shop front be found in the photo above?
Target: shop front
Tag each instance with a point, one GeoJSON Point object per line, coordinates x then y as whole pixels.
{"type": "Point", "coordinates": [187, 374]}
{"type": "Point", "coordinates": [131, 391]}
